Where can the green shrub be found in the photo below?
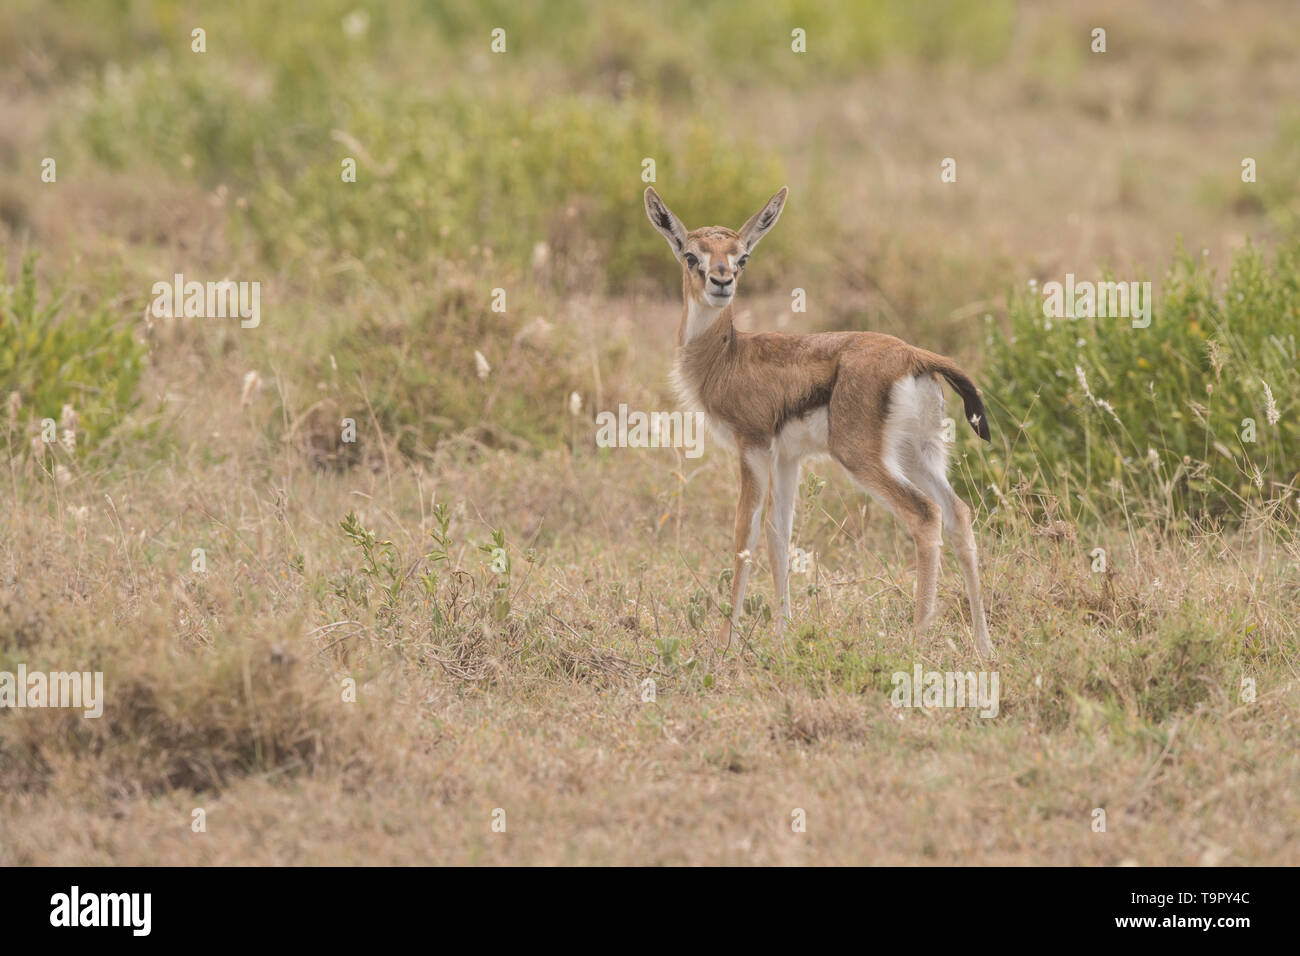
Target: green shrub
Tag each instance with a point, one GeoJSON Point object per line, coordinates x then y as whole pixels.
{"type": "Point", "coordinates": [195, 119]}
{"type": "Point", "coordinates": [441, 179]}
{"type": "Point", "coordinates": [54, 353]}
{"type": "Point", "coordinates": [672, 49]}
{"type": "Point", "coordinates": [1152, 420]}
{"type": "Point", "coordinates": [468, 174]}
{"type": "Point", "coordinates": [680, 49]}
{"type": "Point", "coordinates": [286, 92]}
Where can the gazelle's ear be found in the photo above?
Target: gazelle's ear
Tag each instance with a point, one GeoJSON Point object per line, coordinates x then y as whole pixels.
{"type": "Point", "coordinates": [762, 221]}
{"type": "Point", "coordinates": [662, 218]}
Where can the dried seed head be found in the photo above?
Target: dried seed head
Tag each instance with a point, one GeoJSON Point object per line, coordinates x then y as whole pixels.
{"type": "Point", "coordinates": [252, 382]}
{"type": "Point", "coordinates": [1270, 406]}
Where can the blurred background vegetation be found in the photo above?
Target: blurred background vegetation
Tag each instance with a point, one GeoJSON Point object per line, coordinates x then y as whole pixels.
{"type": "Point", "coordinates": [521, 171]}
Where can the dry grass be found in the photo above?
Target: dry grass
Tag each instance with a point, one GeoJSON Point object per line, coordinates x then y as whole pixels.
{"type": "Point", "coordinates": [224, 688]}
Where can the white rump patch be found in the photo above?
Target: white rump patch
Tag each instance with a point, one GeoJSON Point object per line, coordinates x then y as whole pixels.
{"type": "Point", "coordinates": [913, 445]}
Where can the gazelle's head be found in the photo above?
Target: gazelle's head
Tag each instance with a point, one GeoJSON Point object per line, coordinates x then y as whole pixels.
{"type": "Point", "coordinates": [713, 257]}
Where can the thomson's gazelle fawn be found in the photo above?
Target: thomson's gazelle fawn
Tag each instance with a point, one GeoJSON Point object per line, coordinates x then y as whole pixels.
{"type": "Point", "coordinates": [870, 401]}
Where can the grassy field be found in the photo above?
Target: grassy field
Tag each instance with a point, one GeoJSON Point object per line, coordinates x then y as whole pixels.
{"type": "Point", "coordinates": [471, 635]}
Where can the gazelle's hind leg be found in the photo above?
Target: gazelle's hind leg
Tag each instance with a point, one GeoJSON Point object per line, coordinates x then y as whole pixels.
{"type": "Point", "coordinates": [921, 517]}
{"type": "Point", "coordinates": [957, 525]}
{"type": "Point", "coordinates": [924, 460]}
{"type": "Point", "coordinates": [870, 455]}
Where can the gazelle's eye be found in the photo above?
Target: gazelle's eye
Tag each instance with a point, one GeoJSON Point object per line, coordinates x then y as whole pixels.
{"type": "Point", "coordinates": [740, 263]}
{"type": "Point", "coordinates": [692, 260]}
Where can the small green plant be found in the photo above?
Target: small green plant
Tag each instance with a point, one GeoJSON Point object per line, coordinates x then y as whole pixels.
{"type": "Point", "coordinates": [499, 602]}
{"type": "Point", "coordinates": [669, 649]}
{"type": "Point", "coordinates": [697, 608]}
{"type": "Point", "coordinates": [723, 586]}
{"type": "Point", "coordinates": [380, 565]}
{"type": "Point", "coordinates": [437, 559]}
{"type": "Point", "coordinates": [381, 580]}
{"type": "Point", "coordinates": [690, 671]}
{"type": "Point", "coordinates": [756, 606]}
{"type": "Point", "coordinates": [823, 662]}
{"type": "Point", "coordinates": [812, 486]}
{"type": "Point", "coordinates": [56, 353]}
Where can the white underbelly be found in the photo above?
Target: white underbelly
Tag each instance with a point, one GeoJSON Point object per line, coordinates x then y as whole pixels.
{"type": "Point", "coordinates": [801, 438]}
{"type": "Point", "coordinates": [805, 437]}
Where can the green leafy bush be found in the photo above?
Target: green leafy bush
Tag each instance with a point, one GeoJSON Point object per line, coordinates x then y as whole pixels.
{"type": "Point", "coordinates": [1105, 416]}
{"type": "Point", "coordinates": [54, 354]}
{"type": "Point", "coordinates": [446, 178]}
{"type": "Point", "coordinates": [670, 49]}
{"type": "Point", "coordinates": [191, 121]}
{"type": "Point", "coordinates": [286, 92]}
{"type": "Point", "coordinates": [676, 48]}
{"type": "Point", "coordinates": [466, 174]}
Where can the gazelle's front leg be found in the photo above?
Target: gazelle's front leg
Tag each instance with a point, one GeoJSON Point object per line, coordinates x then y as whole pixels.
{"type": "Point", "coordinates": [754, 468]}
{"type": "Point", "coordinates": [779, 525]}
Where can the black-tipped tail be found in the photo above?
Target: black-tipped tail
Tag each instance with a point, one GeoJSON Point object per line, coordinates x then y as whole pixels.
{"type": "Point", "coordinates": [973, 404]}
{"type": "Point", "coordinates": [963, 386]}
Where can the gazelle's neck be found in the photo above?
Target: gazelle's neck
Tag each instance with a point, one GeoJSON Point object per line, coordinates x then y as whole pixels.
{"type": "Point", "coordinates": [698, 318]}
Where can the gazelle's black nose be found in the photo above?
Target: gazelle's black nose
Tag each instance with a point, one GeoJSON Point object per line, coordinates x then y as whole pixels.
{"type": "Point", "coordinates": [722, 283]}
